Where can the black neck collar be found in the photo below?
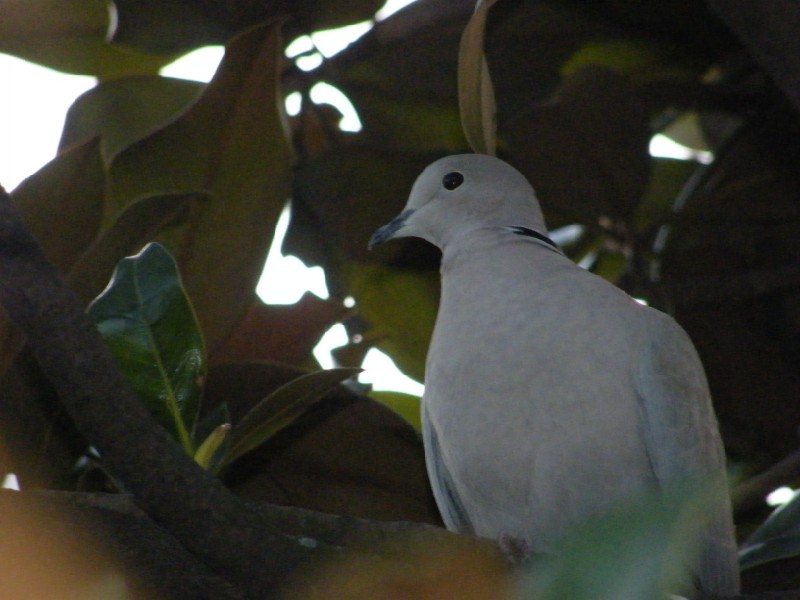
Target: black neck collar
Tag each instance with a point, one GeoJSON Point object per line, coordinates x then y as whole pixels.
{"type": "Point", "coordinates": [527, 232]}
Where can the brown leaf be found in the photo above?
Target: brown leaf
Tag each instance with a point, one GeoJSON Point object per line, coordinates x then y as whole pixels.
{"type": "Point", "coordinates": [283, 333]}
{"type": "Point", "coordinates": [423, 571]}
{"type": "Point", "coordinates": [232, 142]}
{"type": "Point", "coordinates": [62, 204]}
{"type": "Point", "coordinates": [136, 226]}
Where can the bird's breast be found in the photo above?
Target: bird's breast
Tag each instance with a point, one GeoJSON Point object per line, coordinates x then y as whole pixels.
{"type": "Point", "coordinates": [531, 393]}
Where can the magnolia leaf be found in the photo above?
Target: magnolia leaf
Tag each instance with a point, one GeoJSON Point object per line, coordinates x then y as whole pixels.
{"type": "Point", "coordinates": [405, 405]}
{"type": "Point", "coordinates": [126, 110]}
{"type": "Point", "coordinates": [400, 305]}
{"type": "Point", "coordinates": [211, 436]}
{"type": "Point", "coordinates": [281, 408]}
{"type": "Point", "coordinates": [70, 186]}
{"type": "Point", "coordinates": [475, 89]}
{"type": "Point", "coordinates": [70, 36]}
{"type": "Point", "coordinates": [209, 448]}
{"type": "Point", "coordinates": [148, 323]}
{"type": "Point", "coordinates": [231, 142]}
{"type": "Point", "coordinates": [286, 333]}
{"type": "Point", "coordinates": [136, 226]}
{"type": "Point", "coordinates": [778, 537]}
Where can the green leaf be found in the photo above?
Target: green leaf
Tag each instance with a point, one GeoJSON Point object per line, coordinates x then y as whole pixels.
{"type": "Point", "coordinates": [70, 36]}
{"type": "Point", "coordinates": [210, 431]}
{"type": "Point", "coordinates": [610, 265]}
{"type": "Point", "coordinates": [146, 319]}
{"type": "Point", "coordinates": [281, 408]}
{"type": "Point", "coordinates": [644, 60]}
{"type": "Point", "coordinates": [778, 537]}
{"type": "Point", "coordinates": [405, 405]}
{"type": "Point", "coordinates": [637, 551]}
{"type": "Point", "coordinates": [401, 306]}
{"type": "Point", "coordinates": [233, 144]}
{"type": "Point", "coordinates": [210, 447]}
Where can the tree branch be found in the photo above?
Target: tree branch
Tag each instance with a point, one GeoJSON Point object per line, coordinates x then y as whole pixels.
{"type": "Point", "coordinates": [206, 518]}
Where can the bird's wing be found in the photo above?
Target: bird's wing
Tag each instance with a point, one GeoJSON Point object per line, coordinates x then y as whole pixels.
{"type": "Point", "coordinates": [680, 426]}
{"type": "Point", "coordinates": [682, 440]}
{"type": "Point", "coordinates": [444, 489]}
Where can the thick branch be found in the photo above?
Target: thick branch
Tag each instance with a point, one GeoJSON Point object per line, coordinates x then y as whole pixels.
{"type": "Point", "coordinates": [234, 540]}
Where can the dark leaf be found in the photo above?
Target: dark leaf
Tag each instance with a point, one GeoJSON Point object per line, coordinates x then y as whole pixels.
{"type": "Point", "coordinates": [342, 196]}
{"type": "Point", "coordinates": [346, 455]}
{"type": "Point", "coordinates": [149, 325]}
{"type": "Point", "coordinates": [728, 270]}
{"type": "Point", "coordinates": [177, 25]}
{"type": "Point", "coordinates": [71, 186]}
{"type": "Point", "coordinates": [586, 153]}
{"type": "Point", "coordinates": [281, 408]}
{"type": "Point", "coordinates": [283, 333]}
{"type": "Point", "coordinates": [70, 35]}
{"type": "Point", "coordinates": [405, 405]}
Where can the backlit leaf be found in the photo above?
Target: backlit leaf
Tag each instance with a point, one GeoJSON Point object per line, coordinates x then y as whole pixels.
{"type": "Point", "coordinates": [475, 89]}
{"type": "Point", "coordinates": [70, 36]}
{"type": "Point", "coordinates": [232, 143]}
{"type": "Point", "coordinates": [778, 537]}
{"type": "Point", "coordinates": [405, 405]}
{"type": "Point", "coordinates": [126, 110]}
{"type": "Point", "coordinates": [284, 333]}
{"type": "Point", "coordinates": [401, 307]}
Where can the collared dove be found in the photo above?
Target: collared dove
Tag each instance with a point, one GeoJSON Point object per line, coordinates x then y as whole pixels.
{"type": "Point", "coordinates": [550, 394]}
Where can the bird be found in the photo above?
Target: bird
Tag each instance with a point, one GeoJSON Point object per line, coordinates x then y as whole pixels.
{"type": "Point", "coordinates": [550, 394]}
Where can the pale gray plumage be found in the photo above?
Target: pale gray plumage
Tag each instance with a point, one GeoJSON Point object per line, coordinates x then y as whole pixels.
{"type": "Point", "coordinates": [550, 395]}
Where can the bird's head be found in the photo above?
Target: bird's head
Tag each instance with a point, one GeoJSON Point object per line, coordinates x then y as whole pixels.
{"type": "Point", "coordinates": [458, 194]}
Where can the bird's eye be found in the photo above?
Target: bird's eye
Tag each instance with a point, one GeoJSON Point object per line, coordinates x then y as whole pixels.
{"type": "Point", "coordinates": [452, 180]}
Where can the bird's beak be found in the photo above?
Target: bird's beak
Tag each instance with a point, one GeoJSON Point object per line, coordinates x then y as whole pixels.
{"type": "Point", "coordinates": [387, 231]}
